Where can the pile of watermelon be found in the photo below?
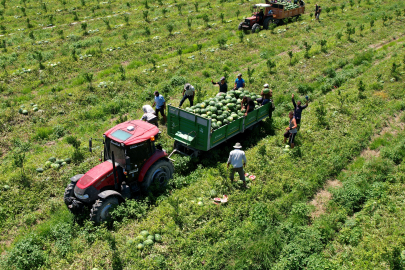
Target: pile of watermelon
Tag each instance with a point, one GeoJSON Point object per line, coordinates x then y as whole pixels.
{"type": "Point", "coordinates": [145, 239]}
{"type": "Point", "coordinates": [54, 163]}
{"type": "Point", "coordinates": [223, 109]}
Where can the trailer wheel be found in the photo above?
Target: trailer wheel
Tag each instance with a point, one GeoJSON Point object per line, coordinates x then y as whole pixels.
{"type": "Point", "coordinates": [256, 28]}
{"type": "Point", "coordinates": [69, 192]}
{"type": "Point", "coordinates": [157, 176]}
{"type": "Point", "coordinates": [100, 210]}
{"type": "Point", "coordinates": [266, 23]}
{"type": "Point", "coordinates": [240, 26]}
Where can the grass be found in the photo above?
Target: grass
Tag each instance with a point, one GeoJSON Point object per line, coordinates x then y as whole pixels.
{"type": "Point", "coordinates": [264, 227]}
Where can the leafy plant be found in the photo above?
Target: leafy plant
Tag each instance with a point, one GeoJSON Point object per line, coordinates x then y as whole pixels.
{"type": "Point", "coordinates": [88, 77]}
{"type": "Point", "coordinates": [290, 54]}
{"type": "Point", "coordinates": [270, 65]}
{"type": "Point", "coordinates": [77, 156]}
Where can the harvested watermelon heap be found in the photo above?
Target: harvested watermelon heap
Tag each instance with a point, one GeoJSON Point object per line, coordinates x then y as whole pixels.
{"type": "Point", "coordinates": [223, 109]}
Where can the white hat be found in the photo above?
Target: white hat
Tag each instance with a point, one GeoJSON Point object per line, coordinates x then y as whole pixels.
{"type": "Point", "coordinates": [237, 145]}
{"type": "Point", "coordinates": [266, 85]}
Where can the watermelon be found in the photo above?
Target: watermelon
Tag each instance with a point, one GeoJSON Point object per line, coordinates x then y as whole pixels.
{"type": "Point", "coordinates": [198, 111]}
{"type": "Point", "coordinates": [203, 105]}
{"type": "Point", "coordinates": [151, 237]}
{"type": "Point", "coordinates": [212, 103]}
{"type": "Point", "coordinates": [40, 170]}
{"type": "Point", "coordinates": [24, 112]}
{"type": "Point", "coordinates": [234, 115]}
{"type": "Point", "coordinates": [226, 122]}
{"type": "Point", "coordinates": [63, 163]}
{"type": "Point", "coordinates": [219, 112]}
{"type": "Point", "coordinates": [230, 118]}
{"type": "Point", "coordinates": [52, 159]}
{"type": "Point", "coordinates": [68, 160]}
{"type": "Point", "coordinates": [144, 233]}
{"type": "Point", "coordinates": [20, 110]}
{"type": "Point", "coordinates": [59, 161]}
{"type": "Point", "coordinates": [158, 238]}
{"type": "Point", "coordinates": [238, 93]}
{"type": "Point", "coordinates": [234, 100]}
{"type": "Point", "coordinates": [6, 187]}
{"type": "Point", "coordinates": [220, 117]}
{"type": "Point", "coordinates": [228, 97]}
{"type": "Point", "coordinates": [35, 109]}
{"type": "Point", "coordinates": [55, 165]}
{"type": "Point", "coordinates": [218, 106]}
{"type": "Point", "coordinates": [139, 246]}
{"type": "Point", "coordinates": [148, 242]}
{"type": "Point", "coordinates": [47, 164]}
{"type": "Point", "coordinates": [209, 113]}
{"type": "Point", "coordinates": [221, 97]}
{"type": "Point", "coordinates": [203, 111]}
{"type": "Point", "coordinates": [213, 193]}
{"type": "Point", "coordinates": [193, 108]}
{"type": "Point", "coordinates": [219, 124]}
{"type": "Point", "coordinates": [243, 110]}
{"type": "Point", "coordinates": [214, 126]}
{"type": "Point", "coordinates": [213, 110]}
{"type": "Point", "coordinates": [204, 115]}
{"type": "Point", "coordinates": [140, 238]}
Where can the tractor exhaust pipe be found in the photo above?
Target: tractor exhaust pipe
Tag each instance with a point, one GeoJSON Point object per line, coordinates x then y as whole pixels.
{"type": "Point", "coordinates": [114, 170]}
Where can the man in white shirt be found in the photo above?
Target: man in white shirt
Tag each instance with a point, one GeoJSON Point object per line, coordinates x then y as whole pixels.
{"type": "Point", "coordinates": [188, 93]}
{"type": "Point", "coordinates": [238, 159]}
{"type": "Point", "coordinates": [149, 115]}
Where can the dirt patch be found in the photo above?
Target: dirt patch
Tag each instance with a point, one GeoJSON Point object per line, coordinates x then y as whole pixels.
{"type": "Point", "coordinates": [294, 49]}
{"type": "Point", "coordinates": [385, 42]}
{"type": "Point", "coordinates": [322, 198]}
{"type": "Point", "coordinates": [125, 63]}
{"type": "Point", "coordinates": [367, 153]}
{"type": "Point", "coordinates": [50, 143]}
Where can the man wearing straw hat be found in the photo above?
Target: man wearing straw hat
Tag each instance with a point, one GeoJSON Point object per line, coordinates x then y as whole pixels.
{"type": "Point", "coordinates": [238, 159]}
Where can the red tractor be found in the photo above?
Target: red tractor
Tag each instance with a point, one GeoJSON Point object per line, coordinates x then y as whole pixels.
{"type": "Point", "coordinates": [132, 163]}
{"type": "Point", "coordinates": [265, 14]}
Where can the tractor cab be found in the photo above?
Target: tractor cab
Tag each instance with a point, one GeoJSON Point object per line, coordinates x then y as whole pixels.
{"type": "Point", "coordinates": [132, 143]}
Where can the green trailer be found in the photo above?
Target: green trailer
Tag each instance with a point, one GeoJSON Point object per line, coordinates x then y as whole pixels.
{"type": "Point", "coordinates": [193, 133]}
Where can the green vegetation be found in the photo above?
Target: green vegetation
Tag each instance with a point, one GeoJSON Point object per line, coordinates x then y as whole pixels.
{"type": "Point", "coordinates": [87, 65]}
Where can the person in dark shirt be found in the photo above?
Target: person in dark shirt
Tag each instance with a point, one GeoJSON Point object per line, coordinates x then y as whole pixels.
{"type": "Point", "coordinates": [298, 109]}
{"type": "Point", "coordinates": [260, 15]}
{"type": "Point", "coordinates": [223, 87]}
{"type": "Point", "coordinates": [247, 104]}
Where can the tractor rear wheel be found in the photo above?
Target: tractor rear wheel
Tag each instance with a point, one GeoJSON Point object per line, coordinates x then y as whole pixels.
{"type": "Point", "coordinates": [158, 175]}
{"type": "Point", "coordinates": [256, 28]}
{"type": "Point", "coordinates": [69, 192]}
{"type": "Point", "coordinates": [266, 23]}
{"type": "Point", "coordinates": [240, 26]}
{"type": "Point", "coordinates": [100, 210]}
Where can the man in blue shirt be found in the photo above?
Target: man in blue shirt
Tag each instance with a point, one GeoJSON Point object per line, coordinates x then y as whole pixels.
{"type": "Point", "coordinates": [239, 82]}
{"type": "Point", "coordinates": [160, 105]}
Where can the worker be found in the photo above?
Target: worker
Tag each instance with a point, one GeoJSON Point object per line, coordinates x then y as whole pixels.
{"type": "Point", "coordinates": [261, 16]}
{"type": "Point", "coordinates": [239, 82]}
{"type": "Point", "coordinates": [302, 3]}
{"type": "Point", "coordinates": [188, 93]}
{"type": "Point", "coordinates": [149, 115]}
{"type": "Point", "coordinates": [298, 109]}
{"type": "Point", "coordinates": [160, 105]}
{"type": "Point", "coordinates": [266, 95]}
{"type": "Point", "coordinates": [237, 158]}
{"type": "Point", "coordinates": [247, 104]}
{"type": "Point", "coordinates": [223, 87]}
{"type": "Point", "coordinates": [291, 130]}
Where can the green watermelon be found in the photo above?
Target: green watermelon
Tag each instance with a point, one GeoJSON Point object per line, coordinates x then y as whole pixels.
{"type": "Point", "coordinates": [144, 233]}
{"type": "Point", "coordinates": [47, 164]}
{"type": "Point", "coordinates": [59, 161]}
{"type": "Point", "coordinates": [35, 109]}
{"type": "Point", "coordinates": [198, 110]}
{"type": "Point", "coordinates": [148, 242]}
{"type": "Point", "coordinates": [24, 112]}
{"type": "Point", "coordinates": [20, 110]}
{"type": "Point", "coordinates": [220, 117]}
{"type": "Point", "coordinates": [226, 122]}
{"type": "Point", "coordinates": [203, 115]}
{"type": "Point", "coordinates": [158, 238]}
{"type": "Point", "coordinates": [228, 97]}
{"type": "Point", "coordinates": [214, 126]}
{"type": "Point", "coordinates": [40, 170]}
{"type": "Point", "coordinates": [68, 160]}
{"type": "Point", "coordinates": [230, 118]}
{"type": "Point", "coordinates": [209, 113]}
{"type": "Point", "coordinates": [212, 103]}
{"type": "Point", "coordinates": [220, 97]}
{"type": "Point", "coordinates": [140, 238]}
{"type": "Point", "coordinates": [213, 193]}
{"type": "Point", "coordinates": [139, 246]}
{"type": "Point", "coordinates": [193, 108]}
{"type": "Point", "coordinates": [213, 109]}
{"type": "Point", "coordinates": [219, 124]}
{"type": "Point", "coordinates": [52, 159]}
{"type": "Point", "coordinates": [151, 237]}
{"type": "Point", "coordinates": [219, 112]}
{"type": "Point", "coordinates": [234, 100]}
{"type": "Point", "coordinates": [6, 187]}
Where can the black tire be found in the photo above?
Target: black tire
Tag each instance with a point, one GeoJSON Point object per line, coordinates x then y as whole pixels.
{"type": "Point", "coordinates": [100, 210]}
{"type": "Point", "coordinates": [158, 175]}
{"type": "Point", "coordinates": [69, 192]}
{"type": "Point", "coordinates": [240, 26]}
{"type": "Point", "coordinates": [277, 22]}
{"type": "Point", "coordinates": [266, 23]}
{"type": "Point", "coordinates": [256, 28]}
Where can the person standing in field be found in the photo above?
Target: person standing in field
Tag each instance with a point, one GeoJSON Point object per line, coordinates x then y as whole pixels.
{"type": "Point", "coordinates": [238, 160]}
{"type": "Point", "coordinates": [239, 82]}
{"type": "Point", "coordinates": [298, 109]}
{"type": "Point", "coordinates": [160, 105]}
{"type": "Point", "coordinates": [223, 87]}
{"type": "Point", "coordinates": [188, 93]}
{"type": "Point", "coordinates": [291, 130]}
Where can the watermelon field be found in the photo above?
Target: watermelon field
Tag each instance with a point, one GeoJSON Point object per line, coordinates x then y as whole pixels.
{"type": "Point", "coordinates": [71, 70]}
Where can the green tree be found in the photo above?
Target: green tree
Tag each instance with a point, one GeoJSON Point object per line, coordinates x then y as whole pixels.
{"type": "Point", "coordinates": [270, 65]}
{"type": "Point", "coordinates": [323, 45]}
{"type": "Point", "coordinates": [361, 87]}
{"type": "Point", "coordinates": [250, 74]}
{"type": "Point", "coordinates": [290, 54]}
{"type": "Point", "coordinates": [170, 28]}
{"type": "Point", "coordinates": [39, 57]}
{"type": "Point", "coordinates": [19, 155]}
{"type": "Point", "coordinates": [125, 37]}
{"type": "Point", "coordinates": [342, 6]}
{"type": "Point", "coordinates": [350, 30]}
{"type": "Point", "coordinates": [222, 16]}
{"type": "Point", "coordinates": [196, 6]}
{"type": "Point", "coordinates": [145, 15]}
{"type": "Point", "coordinates": [88, 77]}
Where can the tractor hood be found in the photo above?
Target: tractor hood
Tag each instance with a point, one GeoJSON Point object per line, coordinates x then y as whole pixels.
{"type": "Point", "coordinates": [98, 177]}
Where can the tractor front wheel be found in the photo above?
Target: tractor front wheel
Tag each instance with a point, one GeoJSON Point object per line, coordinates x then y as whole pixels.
{"type": "Point", "coordinates": [256, 28]}
{"type": "Point", "coordinates": [69, 193]}
{"type": "Point", "coordinates": [100, 210]}
{"type": "Point", "coordinates": [158, 175]}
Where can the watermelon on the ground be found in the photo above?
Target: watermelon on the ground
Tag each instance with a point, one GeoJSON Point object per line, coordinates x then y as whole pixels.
{"type": "Point", "coordinates": [52, 159]}
{"type": "Point", "coordinates": [151, 237]}
{"type": "Point", "coordinates": [40, 170]}
{"type": "Point", "coordinates": [158, 238]}
{"type": "Point", "coordinates": [213, 193]}
{"type": "Point", "coordinates": [144, 233]}
{"type": "Point", "coordinates": [148, 242]}
{"type": "Point", "coordinates": [139, 246]}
